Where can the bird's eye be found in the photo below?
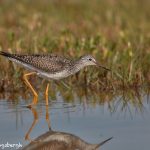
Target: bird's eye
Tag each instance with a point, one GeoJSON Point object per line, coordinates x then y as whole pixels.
{"type": "Point", "coordinates": [90, 59]}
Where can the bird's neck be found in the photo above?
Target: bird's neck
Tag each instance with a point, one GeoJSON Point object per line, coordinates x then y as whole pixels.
{"type": "Point", "coordinates": [78, 65]}
{"type": "Point", "coordinates": [82, 145]}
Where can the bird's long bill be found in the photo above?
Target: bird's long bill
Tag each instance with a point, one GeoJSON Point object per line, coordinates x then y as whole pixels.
{"type": "Point", "coordinates": [98, 65]}
{"type": "Point", "coordinates": [100, 144]}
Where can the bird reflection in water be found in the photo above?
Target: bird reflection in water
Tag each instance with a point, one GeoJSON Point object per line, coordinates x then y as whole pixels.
{"type": "Point", "coordinates": [55, 140]}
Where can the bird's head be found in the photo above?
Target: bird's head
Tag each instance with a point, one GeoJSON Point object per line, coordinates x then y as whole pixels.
{"type": "Point", "coordinates": [89, 60]}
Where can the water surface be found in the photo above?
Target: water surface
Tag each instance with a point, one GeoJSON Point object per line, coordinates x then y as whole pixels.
{"type": "Point", "coordinates": [126, 119]}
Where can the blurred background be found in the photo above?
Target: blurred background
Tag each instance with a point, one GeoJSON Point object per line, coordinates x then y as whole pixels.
{"type": "Point", "coordinates": [116, 32]}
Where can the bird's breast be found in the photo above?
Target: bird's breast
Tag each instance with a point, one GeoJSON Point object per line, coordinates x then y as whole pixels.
{"type": "Point", "coordinates": [55, 75]}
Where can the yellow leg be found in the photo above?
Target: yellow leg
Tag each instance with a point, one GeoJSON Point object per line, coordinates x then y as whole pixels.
{"type": "Point", "coordinates": [46, 94]}
{"type": "Point", "coordinates": [35, 120]}
{"type": "Point", "coordinates": [47, 117]}
{"type": "Point", "coordinates": [35, 98]}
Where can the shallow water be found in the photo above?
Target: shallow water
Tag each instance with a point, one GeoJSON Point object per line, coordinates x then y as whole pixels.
{"type": "Point", "coordinates": [128, 121]}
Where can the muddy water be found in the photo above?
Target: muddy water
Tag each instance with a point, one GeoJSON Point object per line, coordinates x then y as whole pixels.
{"type": "Point", "coordinates": [126, 119]}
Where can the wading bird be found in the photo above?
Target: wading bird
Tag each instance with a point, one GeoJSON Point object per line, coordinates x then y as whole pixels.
{"type": "Point", "coordinates": [57, 140]}
{"type": "Point", "coordinates": [50, 66]}
{"type": "Point", "coordinates": [53, 140]}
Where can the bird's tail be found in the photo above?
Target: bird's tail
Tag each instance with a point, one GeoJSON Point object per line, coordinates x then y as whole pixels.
{"type": "Point", "coordinates": [6, 54]}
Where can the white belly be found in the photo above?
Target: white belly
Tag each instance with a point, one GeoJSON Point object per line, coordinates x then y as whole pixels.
{"type": "Point", "coordinates": [54, 76]}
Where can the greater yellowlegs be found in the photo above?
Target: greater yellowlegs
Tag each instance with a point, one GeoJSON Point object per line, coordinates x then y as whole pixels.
{"type": "Point", "coordinates": [57, 140]}
{"type": "Point", "coordinates": [53, 140]}
{"type": "Point", "coordinates": [50, 66]}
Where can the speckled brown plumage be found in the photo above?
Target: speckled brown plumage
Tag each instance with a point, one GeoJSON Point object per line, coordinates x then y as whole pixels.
{"type": "Point", "coordinates": [49, 63]}
{"type": "Point", "coordinates": [55, 140]}
{"type": "Point", "coordinates": [52, 66]}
